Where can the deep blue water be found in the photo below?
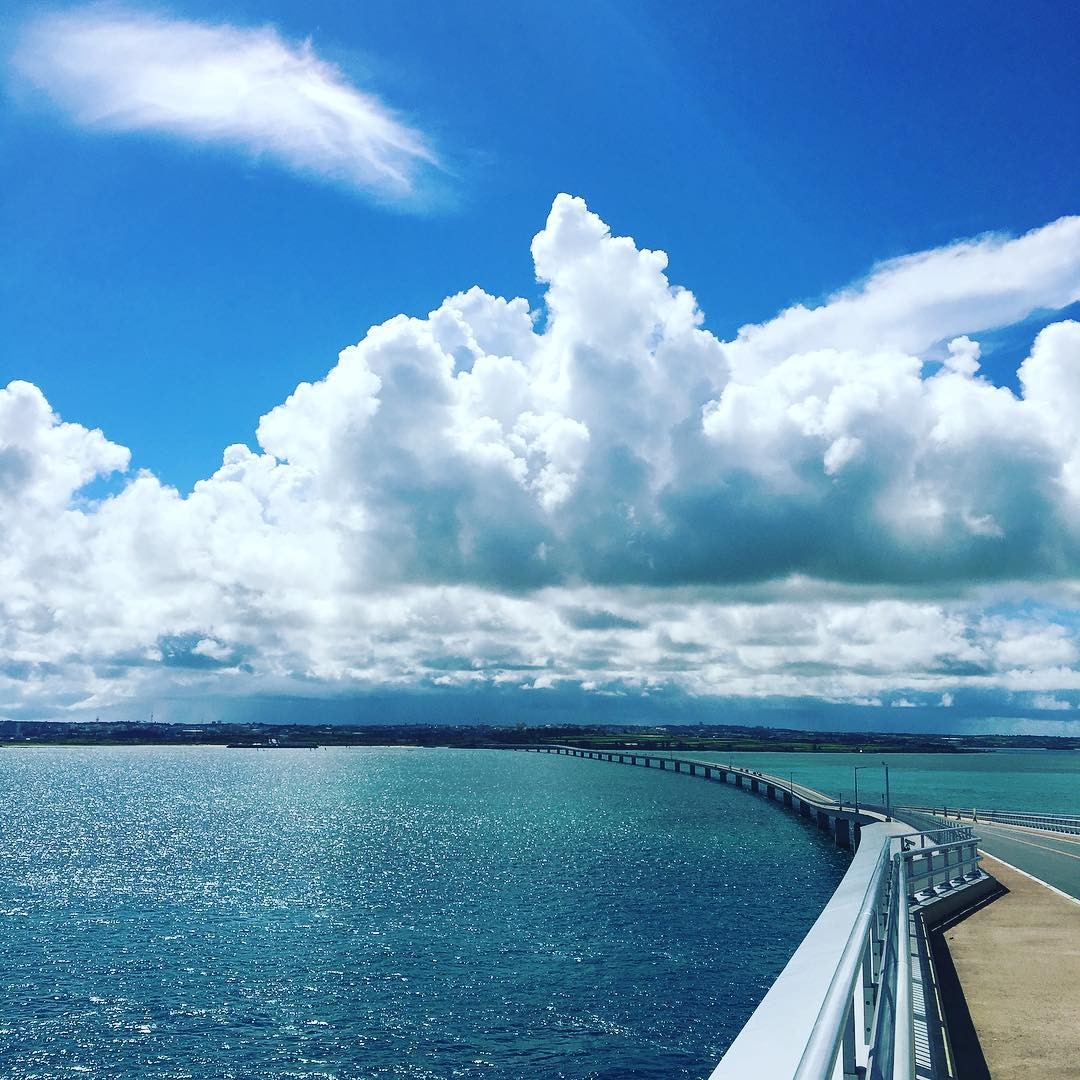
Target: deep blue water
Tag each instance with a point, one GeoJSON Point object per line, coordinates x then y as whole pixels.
{"type": "Point", "coordinates": [354, 913]}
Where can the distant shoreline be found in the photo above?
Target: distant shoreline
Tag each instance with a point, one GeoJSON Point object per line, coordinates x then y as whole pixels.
{"type": "Point", "coordinates": [714, 739]}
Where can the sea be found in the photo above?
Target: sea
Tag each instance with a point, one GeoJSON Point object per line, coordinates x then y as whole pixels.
{"type": "Point", "coordinates": [1036, 781]}
{"type": "Point", "coordinates": [357, 912]}
{"type": "Point", "coordinates": [348, 913]}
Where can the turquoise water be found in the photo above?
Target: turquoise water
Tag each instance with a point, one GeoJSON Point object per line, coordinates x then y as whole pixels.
{"type": "Point", "coordinates": [1034, 780]}
{"type": "Point", "coordinates": [211, 913]}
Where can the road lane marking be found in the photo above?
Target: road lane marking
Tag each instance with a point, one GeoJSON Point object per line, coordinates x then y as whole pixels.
{"type": "Point", "coordinates": [1043, 847]}
{"type": "Point", "coordinates": [1010, 830]}
{"type": "Point", "coordinates": [1032, 877]}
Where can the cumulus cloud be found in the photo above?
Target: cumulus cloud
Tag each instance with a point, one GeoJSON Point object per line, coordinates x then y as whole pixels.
{"type": "Point", "coordinates": [610, 498]}
{"type": "Point", "coordinates": [911, 303]}
{"type": "Point", "coordinates": [129, 71]}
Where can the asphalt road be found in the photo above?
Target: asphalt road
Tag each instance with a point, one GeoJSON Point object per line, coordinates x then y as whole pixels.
{"type": "Point", "coordinates": [1052, 857]}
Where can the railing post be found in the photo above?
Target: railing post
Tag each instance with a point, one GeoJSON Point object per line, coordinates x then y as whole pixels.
{"type": "Point", "coordinates": [903, 1047]}
{"type": "Point", "coordinates": [869, 987]}
{"type": "Point", "coordinates": [877, 939]}
{"type": "Point", "coordinates": [848, 1051]}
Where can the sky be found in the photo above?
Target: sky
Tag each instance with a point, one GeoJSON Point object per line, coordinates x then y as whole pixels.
{"type": "Point", "coordinates": [609, 361]}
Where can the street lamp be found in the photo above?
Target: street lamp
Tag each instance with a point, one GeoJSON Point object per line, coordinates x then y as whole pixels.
{"type": "Point", "coordinates": [888, 802]}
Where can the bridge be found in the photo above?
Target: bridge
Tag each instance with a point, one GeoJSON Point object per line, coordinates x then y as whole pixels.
{"type": "Point", "coordinates": [1044, 846]}
{"type": "Point", "coordinates": [872, 991]}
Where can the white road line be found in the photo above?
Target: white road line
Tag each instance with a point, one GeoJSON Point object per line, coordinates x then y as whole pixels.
{"type": "Point", "coordinates": [1010, 830]}
{"type": "Point", "coordinates": [1032, 877]}
{"type": "Point", "coordinates": [1043, 847]}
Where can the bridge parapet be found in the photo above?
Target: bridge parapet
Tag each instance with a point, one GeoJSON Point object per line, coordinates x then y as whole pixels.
{"type": "Point", "coordinates": [843, 1007]}
{"type": "Point", "coordinates": [1063, 823]}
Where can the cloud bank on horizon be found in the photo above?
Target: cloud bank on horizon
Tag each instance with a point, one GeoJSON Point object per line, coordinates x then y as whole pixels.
{"type": "Point", "coordinates": [121, 70]}
{"type": "Point", "coordinates": [835, 506]}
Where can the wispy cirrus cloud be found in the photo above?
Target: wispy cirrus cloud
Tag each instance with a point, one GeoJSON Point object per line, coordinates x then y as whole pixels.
{"type": "Point", "coordinates": [126, 71]}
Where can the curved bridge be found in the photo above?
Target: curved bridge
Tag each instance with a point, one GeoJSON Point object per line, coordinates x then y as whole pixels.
{"type": "Point", "coordinates": [858, 998]}
{"type": "Point", "coordinates": [830, 815]}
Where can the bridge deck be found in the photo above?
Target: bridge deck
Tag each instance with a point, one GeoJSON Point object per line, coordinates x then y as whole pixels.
{"type": "Point", "coordinates": [1051, 857]}
{"type": "Point", "coordinates": [1018, 961]}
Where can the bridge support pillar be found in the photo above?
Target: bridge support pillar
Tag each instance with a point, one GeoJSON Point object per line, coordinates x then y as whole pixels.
{"type": "Point", "coordinates": [805, 809]}
{"type": "Point", "coordinates": [770, 791]}
{"type": "Point", "coordinates": [738, 779]}
{"type": "Point", "coordinates": [662, 762]}
{"type": "Point", "coordinates": [823, 821]}
{"type": "Point", "coordinates": [722, 773]}
{"type": "Point", "coordinates": [678, 766]}
{"type": "Point", "coordinates": [708, 773]}
{"type": "Point", "coordinates": [843, 833]}
{"type": "Point", "coordinates": [648, 763]}
{"type": "Point", "coordinates": [787, 798]}
{"type": "Point", "coordinates": [754, 785]}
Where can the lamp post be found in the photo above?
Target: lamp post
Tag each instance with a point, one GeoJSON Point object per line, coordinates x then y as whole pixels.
{"type": "Point", "coordinates": [888, 802]}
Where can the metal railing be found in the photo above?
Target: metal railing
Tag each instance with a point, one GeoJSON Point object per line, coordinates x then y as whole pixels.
{"type": "Point", "coordinates": [1064, 823]}
{"type": "Point", "coordinates": [844, 1002]}
{"type": "Point", "coordinates": [940, 867]}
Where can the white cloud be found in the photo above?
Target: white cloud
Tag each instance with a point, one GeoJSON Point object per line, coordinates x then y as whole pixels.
{"type": "Point", "coordinates": [1050, 703]}
{"type": "Point", "coordinates": [128, 71]}
{"type": "Point", "coordinates": [611, 501]}
{"type": "Point", "coordinates": [911, 303]}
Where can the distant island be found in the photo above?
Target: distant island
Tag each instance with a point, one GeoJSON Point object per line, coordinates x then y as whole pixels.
{"type": "Point", "coordinates": [708, 738]}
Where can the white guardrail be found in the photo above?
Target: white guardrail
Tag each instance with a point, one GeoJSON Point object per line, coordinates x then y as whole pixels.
{"type": "Point", "coordinates": [842, 1007]}
{"type": "Point", "coordinates": [1064, 823]}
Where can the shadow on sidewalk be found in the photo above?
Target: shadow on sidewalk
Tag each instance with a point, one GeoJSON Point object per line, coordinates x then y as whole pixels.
{"type": "Point", "coordinates": [967, 1057]}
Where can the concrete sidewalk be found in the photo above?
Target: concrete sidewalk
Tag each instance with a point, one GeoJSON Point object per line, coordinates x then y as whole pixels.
{"type": "Point", "coordinates": [1018, 961]}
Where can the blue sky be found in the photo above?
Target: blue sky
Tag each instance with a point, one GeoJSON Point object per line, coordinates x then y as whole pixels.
{"type": "Point", "coordinates": [172, 295]}
{"type": "Point", "coordinates": [171, 287]}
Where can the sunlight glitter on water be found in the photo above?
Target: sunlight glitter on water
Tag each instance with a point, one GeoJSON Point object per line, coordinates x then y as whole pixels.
{"type": "Point", "coordinates": [383, 913]}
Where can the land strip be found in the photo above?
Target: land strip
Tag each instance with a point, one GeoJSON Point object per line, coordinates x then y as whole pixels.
{"type": "Point", "coordinates": [708, 738]}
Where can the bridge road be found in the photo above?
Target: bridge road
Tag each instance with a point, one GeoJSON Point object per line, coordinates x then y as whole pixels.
{"type": "Point", "coordinates": [1051, 857]}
